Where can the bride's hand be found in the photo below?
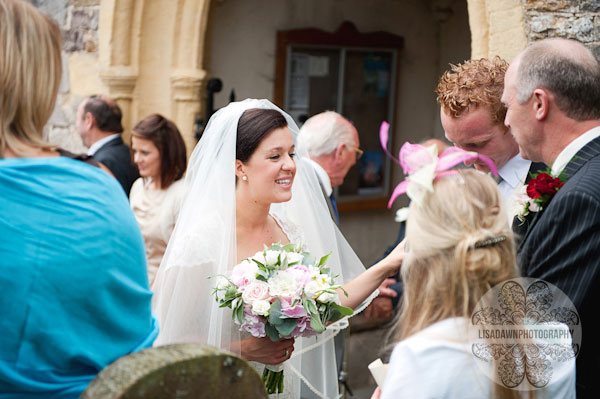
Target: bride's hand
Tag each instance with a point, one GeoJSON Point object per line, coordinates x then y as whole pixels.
{"type": "Point", "coordinates": [394, 260]}
{"type": "Point", "coordinates": [265, 351]}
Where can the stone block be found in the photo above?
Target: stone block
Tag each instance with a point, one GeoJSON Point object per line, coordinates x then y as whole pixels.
{"type": "Point", "coordinates": [546, 5]}
{"type": "Point", "coordinates": [59, 117]}
{"type": "Point", "coordinates": [501, 5]}
{"type": "Point", "coordinates": [581, 29]}
{"type": "Point", "coordinates": [72, 40]}
{"type": "Point", "coordinates": [542, 23]}
{"type": "Point", "coordinates": [589, 5]}
{"type": "Point", "coordinates": [65, 86]}
{"type": "Point", "coordinates": [182, 371]}
{"type": "Point", "coordinates": [597, 28]}
{"type": "Point", "coordinates": [84, 18]}
{"type": "Point", "coordinates": [57, 9]}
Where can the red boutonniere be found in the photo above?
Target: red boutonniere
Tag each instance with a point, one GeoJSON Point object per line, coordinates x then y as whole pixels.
{"type": "Point", "coordinates": [543, 187]}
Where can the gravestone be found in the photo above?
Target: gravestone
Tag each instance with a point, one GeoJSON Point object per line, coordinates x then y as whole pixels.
{"type": "Point", "coordinates": [182, 371]}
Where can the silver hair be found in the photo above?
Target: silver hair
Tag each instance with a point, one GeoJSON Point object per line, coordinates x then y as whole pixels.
{"type": "Point", "coordinates": [324, 132]}
{"type": "Point", "coordinates": [571, 74]}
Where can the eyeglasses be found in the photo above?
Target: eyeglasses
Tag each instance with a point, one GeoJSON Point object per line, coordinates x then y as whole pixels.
{"type": "Point", "coordinates": [358, 151]}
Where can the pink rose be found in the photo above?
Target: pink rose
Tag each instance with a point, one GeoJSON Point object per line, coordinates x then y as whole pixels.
{"type": "Point", "coordinates": [290, 311]}
{"type": "Point", "coordinates": [244, 273]}
{"type": "Point", "coordinates": [301, 274]}
{"type": "Point", "coordinates": [256, 290]}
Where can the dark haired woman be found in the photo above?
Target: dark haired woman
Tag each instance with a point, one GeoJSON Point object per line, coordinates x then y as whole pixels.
{"type": "Point", "coordinates": [239, 198]}
{"type": "Point", "coordinates": [159, 153]}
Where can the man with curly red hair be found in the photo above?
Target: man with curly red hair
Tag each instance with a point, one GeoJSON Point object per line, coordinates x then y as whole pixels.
{"type": "Point", "coordinates": [472, 116]}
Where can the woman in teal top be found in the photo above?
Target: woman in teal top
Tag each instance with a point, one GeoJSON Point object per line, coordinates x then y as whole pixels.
{"type": "Point", "coordinates": [74, 289]}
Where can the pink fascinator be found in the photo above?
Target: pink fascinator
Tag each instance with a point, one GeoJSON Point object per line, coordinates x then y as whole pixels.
{"type": "Point", "coordinates": [422, 165]}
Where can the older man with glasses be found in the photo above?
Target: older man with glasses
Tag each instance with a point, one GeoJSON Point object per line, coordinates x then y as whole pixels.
{"type": "Point", "coordinates": [332, 143]}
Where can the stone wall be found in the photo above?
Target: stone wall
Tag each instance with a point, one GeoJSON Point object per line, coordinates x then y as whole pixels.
{"type": "Point", "coordinates": [78, 20]}
{"type": "Point", "coordinates": [571, 19]}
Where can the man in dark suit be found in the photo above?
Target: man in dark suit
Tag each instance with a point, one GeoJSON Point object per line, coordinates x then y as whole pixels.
{"type": "Point", "coordinates": [99, 125]}
{"type": "Point", "coordinates": [552, 92]}
{"type": "Point", "coordinates": [472, 116]}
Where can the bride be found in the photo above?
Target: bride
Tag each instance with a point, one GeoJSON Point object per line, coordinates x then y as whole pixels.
{"type": "Point", "coordinates": [247, 187]}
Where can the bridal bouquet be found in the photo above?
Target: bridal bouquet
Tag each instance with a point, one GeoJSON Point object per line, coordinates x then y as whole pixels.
{"type": "Point", "coordinates": [281, 292]}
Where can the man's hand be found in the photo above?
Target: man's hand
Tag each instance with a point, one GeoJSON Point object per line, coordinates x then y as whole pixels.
{"type": "Point", "coordinates": [380, 309]}
{"type": "Point", "coordinates": [385, 291]}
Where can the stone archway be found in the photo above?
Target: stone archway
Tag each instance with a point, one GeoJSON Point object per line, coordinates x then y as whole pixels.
{"type": "Point", "coordinates": [151, 55]}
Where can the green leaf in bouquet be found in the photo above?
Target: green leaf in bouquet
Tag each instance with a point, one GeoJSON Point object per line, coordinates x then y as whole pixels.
{"type": "Point", "coordinates": [226, 304]}
{"type": "Point", "coordinates": [324, 260]}
{"type": "Point", "coordinates": [308, 259]}
{"type": "Point", "coordinates": [258, 263]}
{"type": "Point", "coordinates": [240, 313]}
{"type": "Point", "coordinates": [284, 263]}
{"type": "Point", "coordinates": [286, 326]}
{"type": "Point", "coordinates": [325, 270]}
{"type": "Point", "coordinates": [275, 315]}
{"type": "Point", "coordinates": [310, 307]}
{"type": "Point", "coordinates": [263, 272]}
{"type": "Point", "coordinates": [289, 247]}
{"type": "Point", "coordinates": [316, 323]}
{"type": "Point", "coordinates": [336, 312]}
{"type": "Point", "coordinates": [271, 332]}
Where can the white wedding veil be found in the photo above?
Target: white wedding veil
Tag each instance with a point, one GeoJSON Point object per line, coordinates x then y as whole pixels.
{"type": "Point", "coordinates": [203, 244]}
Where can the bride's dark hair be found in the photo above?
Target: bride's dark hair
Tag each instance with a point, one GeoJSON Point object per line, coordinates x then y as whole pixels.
{"type": "Point", "coordinates": [253, 126]}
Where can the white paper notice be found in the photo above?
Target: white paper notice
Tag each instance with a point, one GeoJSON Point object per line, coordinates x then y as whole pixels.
{"type": "Point", "coordinates": [318, 66]}
{"type": "Point", "coordinates": [379, 371]}
{"type": "Point", "coordinates": [299, 82]}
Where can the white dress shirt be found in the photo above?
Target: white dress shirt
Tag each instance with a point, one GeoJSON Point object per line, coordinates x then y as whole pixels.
{"type": "Point", "coordinates": [573, 148]}
{"type": "Point", "coordinates": [98, 144]}
{"type": "Point", "coordinates": [513, 174]}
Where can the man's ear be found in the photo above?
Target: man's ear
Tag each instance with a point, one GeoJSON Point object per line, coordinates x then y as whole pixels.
{"type": "Point", "coordinates": [239, 169]}
{"type": "Point", "coordinates": [540, 103]}
{"type": "Point", "coordinates": [339, 151]}
{"type": "Point", "coordinates": [89, 120]}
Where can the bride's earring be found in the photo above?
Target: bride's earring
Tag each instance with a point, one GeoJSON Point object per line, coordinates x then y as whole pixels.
{"type": "Point", "coordinates": [245, 178]}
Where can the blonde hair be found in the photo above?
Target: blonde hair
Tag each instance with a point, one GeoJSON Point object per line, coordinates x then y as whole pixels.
{"type": "Point", "coordinates": [444, 273]}
{"type": "Point", "coordinates": [471, 84]}
{"type": "Point", "coordinates": [30, 73]}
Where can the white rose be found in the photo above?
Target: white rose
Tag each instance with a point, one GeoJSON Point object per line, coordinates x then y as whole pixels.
{"type": "Point", "coordinates": [222, 284]}
{"type": "Point", "coordinates": [294, 257]}
{"type": "Point", "coordinates": [272, 257]}
{"type": "Point", "coordinates": [324, 279]}
{"type": "Point", "coordinates": [261, 307]}
{"type": "Point", "coordinates": [314, 271]}
{"type": "Point", "coordinates": [311, 289]}
{"type": "Point", "coordinates": [327, 297]}
{"type": "Point", "coordinates": [283, 284]}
